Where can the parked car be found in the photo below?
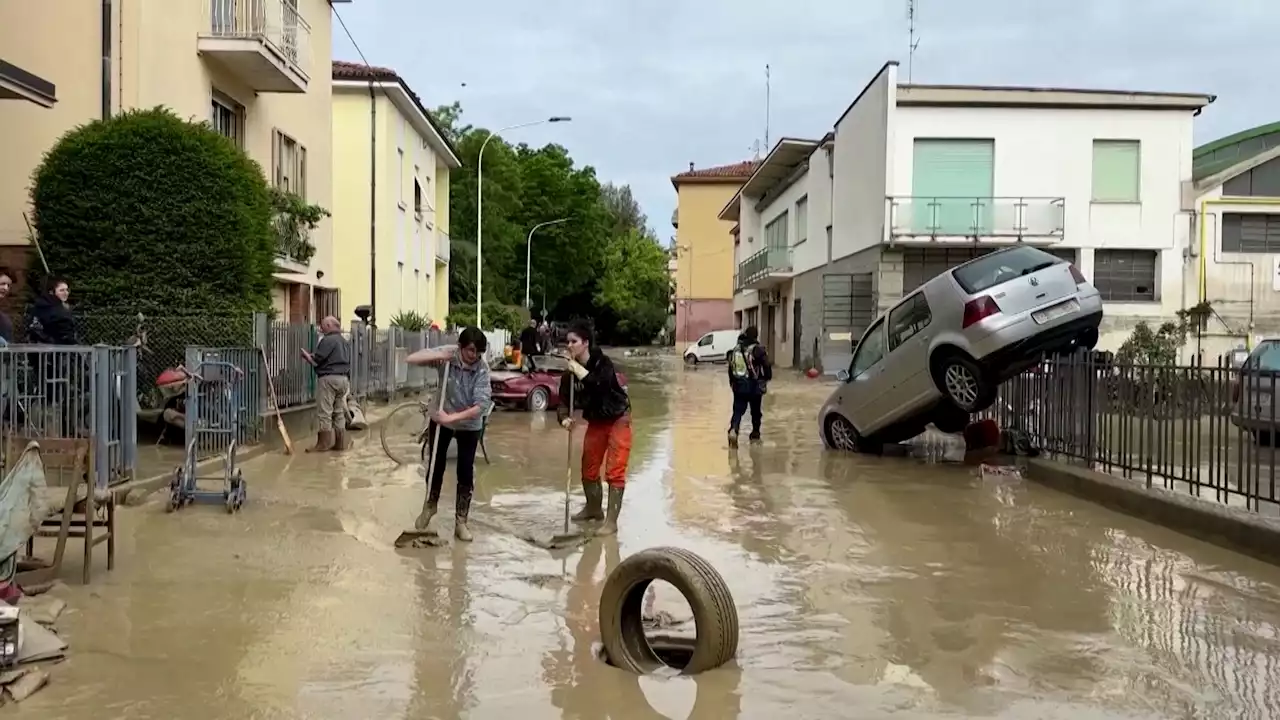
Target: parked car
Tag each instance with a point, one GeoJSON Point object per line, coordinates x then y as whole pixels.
{"type": "Point", "coordinates": [940, 354]}
{"type": "Point", "coordinates": [1253, 390]}
{"type": "Point", "coordinates": [712, 347]}
{"type": "Point", "coordinates": [535, 387]}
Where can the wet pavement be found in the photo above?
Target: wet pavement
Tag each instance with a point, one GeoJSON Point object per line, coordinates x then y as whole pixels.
{"type": "Point", "coordinates": [866, 587]}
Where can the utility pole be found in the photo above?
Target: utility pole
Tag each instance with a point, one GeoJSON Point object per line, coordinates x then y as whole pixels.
{"type": "Point", "coordinates": [912, 41]}
{"type": "Point", "coordinates": [768, 105]}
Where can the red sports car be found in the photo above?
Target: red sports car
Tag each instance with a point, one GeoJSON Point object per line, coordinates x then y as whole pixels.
{"type": "Point", "coordinates": [536, 388]}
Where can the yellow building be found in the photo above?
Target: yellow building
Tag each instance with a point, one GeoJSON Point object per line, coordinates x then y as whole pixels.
{"type": "Point", "coordinates": [406, 237]}
{"type": "Point", "coordinates": [704, 247]}
{"type": "Point", "coordinates": [257, 70]}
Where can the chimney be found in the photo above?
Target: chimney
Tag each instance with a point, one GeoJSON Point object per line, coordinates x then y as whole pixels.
{"type": "Point", "coordinates": [690, 167]}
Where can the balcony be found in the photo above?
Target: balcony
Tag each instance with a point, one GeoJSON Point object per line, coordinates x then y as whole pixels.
{"type": "Point", "coordinates": [442, 248]}
{"type": "Point", "coordinates": [263, 43]}
{"type": "Point", "coordinates": [765, 269]}
{"type": "Point", "coordinates": [998, 220]}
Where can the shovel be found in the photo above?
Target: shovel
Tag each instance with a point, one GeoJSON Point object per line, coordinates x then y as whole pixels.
{"type": "Point", "coordinates": [567, 538]}
{"type": "Point", "coordinates": [426, 536]}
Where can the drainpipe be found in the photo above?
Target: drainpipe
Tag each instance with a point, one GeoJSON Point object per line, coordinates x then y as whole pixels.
{"type": "Point", "coordinates": [1204, 279]}
{"type": "Point", "coordinates": [106, 59]}
{"type": "Point", "coordinates": [373, 207]}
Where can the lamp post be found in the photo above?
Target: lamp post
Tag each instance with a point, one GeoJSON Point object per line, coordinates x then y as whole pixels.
{"type": "Point", "coordinates": [480, 203]}
{"type": "Point", "coordinates": [528, 256]}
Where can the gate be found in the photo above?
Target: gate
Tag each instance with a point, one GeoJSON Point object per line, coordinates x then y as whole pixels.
{"type": "Point", "coordinates": [848, 307]}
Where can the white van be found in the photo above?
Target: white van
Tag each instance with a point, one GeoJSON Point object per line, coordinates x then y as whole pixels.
{"type": "Point", "coordinates": [712, 347]}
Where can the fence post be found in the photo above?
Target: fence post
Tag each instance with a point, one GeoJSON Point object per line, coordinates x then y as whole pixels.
{"type": "Point", "coordinates": [192, 363]}
{"type": "Point", "coordinates": [102, 394]}
{"type": "Point", "coordinates": [129, 411]}
{"type": "Point", "coordinates": [261, 329]}
{"type": "Point", "coordinates": [393, 370]}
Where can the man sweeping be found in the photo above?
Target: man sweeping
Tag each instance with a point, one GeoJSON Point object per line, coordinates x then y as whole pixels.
{"type": "Point", "coordinates": [606, 408]}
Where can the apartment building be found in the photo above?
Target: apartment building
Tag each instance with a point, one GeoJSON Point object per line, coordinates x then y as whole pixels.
{"type": "Point", "coordinates": [391, 249]}
{"type": "Point", "coordinates": [704, 248]}
{"type": "Point", "coordinates": [916, 179]}
{"type": "Point", "coordinates": [257, 70]}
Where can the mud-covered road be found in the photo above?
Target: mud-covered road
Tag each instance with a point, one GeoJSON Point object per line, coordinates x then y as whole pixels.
{"type": "Point", "coordinates": [867, 587]}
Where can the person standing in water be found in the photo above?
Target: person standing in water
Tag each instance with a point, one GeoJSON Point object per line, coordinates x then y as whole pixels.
{"type": "Point", "coordinates": [606, 408]}
{"type": "Point", "coordinates": [749, 375]}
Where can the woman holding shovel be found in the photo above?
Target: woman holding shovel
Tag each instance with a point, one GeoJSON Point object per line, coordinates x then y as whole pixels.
{"type": "Point", "coordinates": [466, 392]}
{"type": "Point", "coordinates": [607, 410]}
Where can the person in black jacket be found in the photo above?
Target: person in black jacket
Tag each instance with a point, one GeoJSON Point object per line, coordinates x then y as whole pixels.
{"type": "Point", "coordinates": [607, 409]}
{"type": "Point", "coordinates": [749, 376]}
{"type": "Point", "coordinates": [529, 345]}
{"type": "Point", "coordinates": [51, 321]}
{"type": "Point", "coordinates": [6, 322]}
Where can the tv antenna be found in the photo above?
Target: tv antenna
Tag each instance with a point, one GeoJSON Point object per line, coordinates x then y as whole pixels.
{"type": "Point", "coordinates": [913, 42]}
{"type": "Point", "coordinates": [768, 99]}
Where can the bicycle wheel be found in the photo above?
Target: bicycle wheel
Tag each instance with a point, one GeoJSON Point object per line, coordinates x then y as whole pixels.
{"type": "Point", "coordinates": [402, 432]}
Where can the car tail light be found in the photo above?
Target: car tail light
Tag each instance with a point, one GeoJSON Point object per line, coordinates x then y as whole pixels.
{"type": "Point", "coordinates": [1075, 273]}
{"type": "Point", "coordinates": [979, 309]}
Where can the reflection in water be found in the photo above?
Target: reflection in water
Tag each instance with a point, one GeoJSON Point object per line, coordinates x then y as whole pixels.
{"type": "Point", "coordinates": [866, 587]}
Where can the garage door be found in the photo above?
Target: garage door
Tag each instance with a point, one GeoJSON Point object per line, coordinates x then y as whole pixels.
{"type": "Point", "coordinates": [920, 265]}
{"type": "Point", "coordinates": [951, 186]}
{"type": "Point", "coordinates": [848, 307]}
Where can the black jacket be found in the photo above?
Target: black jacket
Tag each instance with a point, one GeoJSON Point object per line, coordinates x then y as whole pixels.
{"type": "Point", "coordinates": [529, 341]}
{"type": "Point", "coordinates": [763, 369]}
{"type": "Point", "coordinates": [598, 396]}
{"type": "Point", "coordinates": [50, 322]}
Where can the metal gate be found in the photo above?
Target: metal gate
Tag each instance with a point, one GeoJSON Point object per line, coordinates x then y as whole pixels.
{"type": "Point", "coordinates": [848, 307]}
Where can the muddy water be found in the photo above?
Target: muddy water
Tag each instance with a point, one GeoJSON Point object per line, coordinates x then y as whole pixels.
{"type": "Point", "coordinates": [866, 587]}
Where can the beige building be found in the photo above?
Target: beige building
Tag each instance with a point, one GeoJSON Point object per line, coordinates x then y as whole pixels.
{"type": "Point", "coordinates": [257, 70]}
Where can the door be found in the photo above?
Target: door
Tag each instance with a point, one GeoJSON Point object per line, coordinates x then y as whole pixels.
{"type": "Point", "coordinates": [770, 331]}
{"type": "Point", "coordinates": [1020, 279]}
{"type": "Point", "coordinates": [848, 307]}
{"type": "Point", "coordinates": [796, 333]}
{"type": "Point", "coordinates": [866, 392]}
{"type": "Point", "coordinates": [705, 348]}
{"type": "Point", "coordinates": [909, 331]}
{"type": "Point", "coordinates": [951, 185]}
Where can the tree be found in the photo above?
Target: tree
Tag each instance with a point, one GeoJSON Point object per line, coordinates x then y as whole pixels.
{"type": "Point", "coordinates": [166, 216]}
{"type": "Point", "coordinates": [634, 287]}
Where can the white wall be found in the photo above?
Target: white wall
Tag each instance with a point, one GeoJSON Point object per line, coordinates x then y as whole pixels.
{"type": "Point", "coordinates": [862, 167]}
{"type": "Point", "coordinates": [1241, 287]}
{"type": "Point", "coordinates": [817, 182]}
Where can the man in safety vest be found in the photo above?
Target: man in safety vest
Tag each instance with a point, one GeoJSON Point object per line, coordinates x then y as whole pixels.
{"type": "Point", "coordinates": [749, 375]}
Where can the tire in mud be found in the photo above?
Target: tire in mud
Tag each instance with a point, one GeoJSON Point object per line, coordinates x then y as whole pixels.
{"type": "Point", "coordinates": [622, 600]}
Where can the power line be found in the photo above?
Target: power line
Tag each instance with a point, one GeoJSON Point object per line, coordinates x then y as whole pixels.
{"type": "Point", "coordinates": [347, 32]}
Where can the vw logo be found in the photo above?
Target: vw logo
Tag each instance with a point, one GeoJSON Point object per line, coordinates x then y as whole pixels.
{"type": "Point", "coordinates": [1034, 281]}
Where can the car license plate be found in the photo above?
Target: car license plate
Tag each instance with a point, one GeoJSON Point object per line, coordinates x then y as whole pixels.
{"type": "Point", "coordinates": [1056, 311]}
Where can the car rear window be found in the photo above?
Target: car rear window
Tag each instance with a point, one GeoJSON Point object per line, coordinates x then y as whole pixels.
{"type": "Point", "coordinates": [1266, 356]}
{"type": "Point", "coordinates": [990, 270]}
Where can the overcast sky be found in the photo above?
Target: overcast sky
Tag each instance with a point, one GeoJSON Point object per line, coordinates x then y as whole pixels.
{"type": "Point", "coordinates": [653, 85]}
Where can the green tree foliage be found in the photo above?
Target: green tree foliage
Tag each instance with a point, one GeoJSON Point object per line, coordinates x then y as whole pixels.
{"type": "Point", "coordinates": [600, 264]}
{"type": "Point", "coordinates": [493, 317]}
{"type": "Point", "coordinates": [1163, 345]}
{"type": "Point", "coordinates": [165, 216]}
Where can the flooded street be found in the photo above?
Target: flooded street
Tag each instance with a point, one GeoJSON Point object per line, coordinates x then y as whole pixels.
{"type": "Point", "coordinates": [866, 587]}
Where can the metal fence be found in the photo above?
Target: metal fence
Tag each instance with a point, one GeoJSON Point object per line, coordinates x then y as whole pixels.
{"type": "Point", "coordinates": [1209, 431]}
{"type": "Point", "coordinates": [74, 392]}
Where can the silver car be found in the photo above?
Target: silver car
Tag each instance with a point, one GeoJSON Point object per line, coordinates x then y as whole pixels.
{"type": "Point", "coordinates": [940, 354]}
{"type": "Point", "coordinates": [1253, 387]}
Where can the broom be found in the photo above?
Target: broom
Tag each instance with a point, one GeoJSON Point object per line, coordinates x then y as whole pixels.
{"type": "Point", "coordinates": [275, 403]}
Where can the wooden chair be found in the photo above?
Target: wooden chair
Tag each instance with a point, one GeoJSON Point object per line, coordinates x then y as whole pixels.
{"type": "Point", "coordinates": [74, 509]}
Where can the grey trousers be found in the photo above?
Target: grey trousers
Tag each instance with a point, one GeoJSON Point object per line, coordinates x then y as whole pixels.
{"type": "Point", "coordinates": [331, 401]}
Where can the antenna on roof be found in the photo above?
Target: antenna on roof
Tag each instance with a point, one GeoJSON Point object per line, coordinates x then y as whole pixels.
{"type": "Point", "coordinates": [755, 150]}
{"type": "Point", "coordinates": [768, 99]}
{"type": "Point", "coordinates": [912, 41]}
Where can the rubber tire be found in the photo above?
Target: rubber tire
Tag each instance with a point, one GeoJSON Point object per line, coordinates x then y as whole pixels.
{"type": "Point", "coordinates": [546, 399]}
{"type": "Point", "coordinates": [862, 445]}
{"type": "Point", "coordinates": [986, 389]}
{"type": "Point", "coordinates": [622, 600]}
{"type": "Point", "coordinates": [691, 359]}
{"type": "Point", "coordinates": [950, 419]}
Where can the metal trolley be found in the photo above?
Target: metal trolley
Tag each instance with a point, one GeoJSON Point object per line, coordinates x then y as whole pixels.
{"type": "Point", "coordinates": [214, 413]}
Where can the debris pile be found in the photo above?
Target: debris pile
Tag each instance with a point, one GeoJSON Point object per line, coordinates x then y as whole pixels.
{"type": "Point", "coordinates": [38, 645]}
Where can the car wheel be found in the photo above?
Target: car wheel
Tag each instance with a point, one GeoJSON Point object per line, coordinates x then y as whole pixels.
{"type": "Point", "coordinates": [690, 359]}
{"type": "Point", "coordinates": [842, 435]}
{"type": "Point", "coordinates": [539, 399]}
{"type": "Point", "coordinates": [950, 419]}
{"type": "Point", "coordinates": [1088, 340]}
{"type": "Point", "coordinates": [964, 383]}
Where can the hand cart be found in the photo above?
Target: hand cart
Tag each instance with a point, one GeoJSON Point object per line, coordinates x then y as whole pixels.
{"type": "Point", "coordinates": [215, 408]}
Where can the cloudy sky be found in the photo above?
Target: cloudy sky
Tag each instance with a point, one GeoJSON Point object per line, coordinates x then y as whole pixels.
{"type": "Point", "coordinates": [653, 85]}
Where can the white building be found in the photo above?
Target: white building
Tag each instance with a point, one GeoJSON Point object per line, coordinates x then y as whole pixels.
{"type": "Point", "coordinates": [916, 179]}
{"type": "Point", "coordinates": [1235, 251]}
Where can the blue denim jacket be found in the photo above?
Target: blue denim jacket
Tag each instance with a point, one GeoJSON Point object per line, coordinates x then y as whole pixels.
{"type": "Point", "coordinates": [468, 387]}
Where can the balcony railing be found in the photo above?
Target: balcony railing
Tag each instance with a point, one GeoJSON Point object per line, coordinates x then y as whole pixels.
{"type": "Point", "coordinates": [275, 25]}
{"type": "Point", "coordinates": [442, 247]}
{"type": "Point", "coordinates": [976, 217]}
{"type": "Point", "coordinates": [769, 262]}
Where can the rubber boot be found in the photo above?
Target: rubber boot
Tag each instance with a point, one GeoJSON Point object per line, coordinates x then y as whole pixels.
{"type": "Point", "coordinates": [339, 441]}
{"type": "Point", "coordinates": [460, 529]}
{"type": "Point", "coordinates": [592, 511]}
{"type": "Point", "coordinates": [610, 526]}
{"type": "Point", "coordinates": [424, 519]}
{"type": "Point", "coordinates": [733, 438]}
{"type": "Point", "coordinates": [324, 441]}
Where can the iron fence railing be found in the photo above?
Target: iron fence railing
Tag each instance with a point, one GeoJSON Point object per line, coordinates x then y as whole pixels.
{"type": "Point", "coordinates": [277, 24]}
{"type": "Point", "coordinates": [74, 392]}
{"type": "Point", "coordinates": [765, 262]}
{"type": "Point", "coordinates": [1210, 431]}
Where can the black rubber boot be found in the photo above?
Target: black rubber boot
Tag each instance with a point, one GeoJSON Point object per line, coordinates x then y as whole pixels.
{"type": "Point", "coordinates": [610, 526]}
{"type": "Point", "coordinates": [593, 510]}
{"type": "Point", "coordinates": [733, 438]}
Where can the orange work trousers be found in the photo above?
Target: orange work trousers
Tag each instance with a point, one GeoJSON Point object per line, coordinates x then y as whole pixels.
{"type": "Point", "coordinates": [607, 445]}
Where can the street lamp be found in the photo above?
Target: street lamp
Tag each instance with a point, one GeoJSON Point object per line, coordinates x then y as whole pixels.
{"type": "Point", "coordinates": [480, 202]}
{"type": "Point", "coordinates": [528, 255]}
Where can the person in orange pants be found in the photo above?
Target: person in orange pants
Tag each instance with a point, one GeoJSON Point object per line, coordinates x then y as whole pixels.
{"type": "Point", "coordinates": [606, 408]}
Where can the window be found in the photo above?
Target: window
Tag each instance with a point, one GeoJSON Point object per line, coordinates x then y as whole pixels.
{"type": "Point", "coordinates": [1262, 181]}
{"type": "Point", "coordinates": [829, 245]}
{"type": "Point", "coordinates": [1265, 357]}
{"type": "Point", "coordinates": [706, 340]}
{"type": "Point", "coordinates": [775, 232]}
{"type": "Point", "coordinates": [870, 351]}
{"type": "Point", "coordinates": [227, 118]}
{"type": "Point", "coordinates": [1125, 275]}
{"type": "Point", "coordinates": [908, 319]}
{"type": "Point", "coordinates": [802, 219]}
{"type": "Point", "coordinates": [1250, 233]}
{"type": "Point", "coordinates": [1001, 267]}
{"type": "Point", "coordinates": [417, 198]}
{"type": "Point", "coordinates": [1116, 171]}
{"type": "Point", "coordinates": [290, 160]}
